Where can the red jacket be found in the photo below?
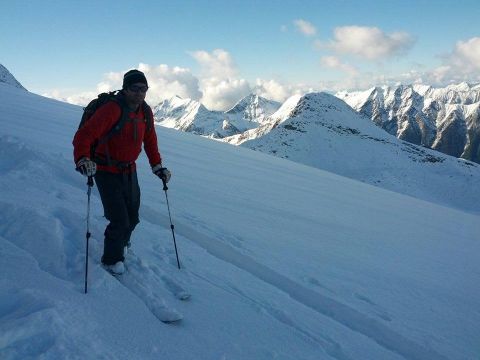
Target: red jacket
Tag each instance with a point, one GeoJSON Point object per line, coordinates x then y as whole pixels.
{"type": "Point", "coordinates": [125, 146]}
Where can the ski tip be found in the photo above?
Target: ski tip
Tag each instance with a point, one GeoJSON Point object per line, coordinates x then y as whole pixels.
{"type": "Point", "coordinates": [171, 318]}
{"type": "Point", "coordinates": [172, 321]}
{"type": "Point", "coordinates": [183, 295]}
{"type": "Point", "coordinates": [167, 315]}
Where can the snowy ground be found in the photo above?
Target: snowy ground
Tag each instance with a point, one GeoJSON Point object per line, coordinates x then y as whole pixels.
{"type": "Point", "coordinates": [282, 261]}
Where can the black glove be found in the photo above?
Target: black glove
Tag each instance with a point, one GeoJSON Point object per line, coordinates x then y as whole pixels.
{"type": "Point", "coordinates": [86, 167]}
{"type": "Point", "coordinates": [162, 172]}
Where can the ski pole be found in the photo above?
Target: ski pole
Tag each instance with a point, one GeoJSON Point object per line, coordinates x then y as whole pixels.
{"type": "Point", "coordinates": [89, 191]}
{"type": "Point", "coordinates": [165, 188]}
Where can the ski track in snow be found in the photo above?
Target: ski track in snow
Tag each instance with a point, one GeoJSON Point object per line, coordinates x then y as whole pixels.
{"type": "Point", "coordinates": [331, 347]}
{"type": "Point", "coordinates": [343, 314]}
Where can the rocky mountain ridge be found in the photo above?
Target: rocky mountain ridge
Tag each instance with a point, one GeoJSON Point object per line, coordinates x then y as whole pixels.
{"type": "Point", "coordinates": [191, 116]}
{"type": "Point", "coordinates": [444, 119]}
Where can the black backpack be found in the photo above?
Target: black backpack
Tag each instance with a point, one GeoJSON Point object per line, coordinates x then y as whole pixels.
{"type": "Point", "coordinates": [103, 99]}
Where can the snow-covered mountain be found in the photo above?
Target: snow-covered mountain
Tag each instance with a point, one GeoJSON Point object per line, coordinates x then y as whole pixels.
{"type": "Point", "coordinates": [320, 130]}
{"type": "Point", "coordinates": [7, 78]}
{"type": "Point", "coordinates": [283, 261]}
{"type": "Point", "coordinates": [188, 115]}
{"type": "Point", "coordinates": [191, 116]}
{"type": "Point", "coordinates": [252, 108]}
{"type": "Point", "coordinates": [445, 119]}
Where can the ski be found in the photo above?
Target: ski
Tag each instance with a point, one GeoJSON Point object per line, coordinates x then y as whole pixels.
{"type": "Point", "coordinates": [143, 281]}
{"type": "Point", "coordinates": [156, 275]}
{"type": "Point", "coordinates": [153, 302]}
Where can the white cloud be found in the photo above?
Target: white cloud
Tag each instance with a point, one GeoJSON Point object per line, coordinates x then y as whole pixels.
{"type": "Point", "coordinates": [163, 81]}
{"type": "Point", "coordinates": [218, 88]}
{"type": "Point", "coordinates": [111, 81]}
{"type": "Point", "coordinates": [467, 55]}
{"type": "Point", "coordinates": [439, 75]}
{"type": "Point", "coordinates": [334, 62]}
{"type": "Point", "coordinates": [305, 27]}
{"type": "Point", "coordinates": [81, 99]}
{"type": "Point", "coordinates": [223, 94]}
{"type": "Point", "coordinates": [217, 64]}
{"type": "Point", "coordinates": [369, 43]}
{"type": "Point", "coordinates": [274, 90]}
{"type": "Point", "coordinates": [461, 64]}
{"type": "Point", "coordinates": [222, 88]}
{"type": "Point", "coordinates": [219, 81]}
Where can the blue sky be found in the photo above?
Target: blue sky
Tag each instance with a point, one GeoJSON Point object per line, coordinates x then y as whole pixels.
{"type": "Point", "coordinates": [216, 51]}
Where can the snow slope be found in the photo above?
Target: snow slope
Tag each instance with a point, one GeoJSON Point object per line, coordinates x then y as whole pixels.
{"type": "Point", "coordinates": [283, 261]}
{"type": "Point", "coordinates": [320, 130]}
{"type": "Point", "coordinates": [7, 78]}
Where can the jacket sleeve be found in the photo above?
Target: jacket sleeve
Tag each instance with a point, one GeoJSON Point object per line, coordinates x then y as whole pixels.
{"type": "Point", "coordinates": [150, 143]}
{"type": "Point", "coordinates": [96, 127]}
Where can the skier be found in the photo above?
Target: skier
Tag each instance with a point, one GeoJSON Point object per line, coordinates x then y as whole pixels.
{"type": "Point", "coordinates": [112, 163]}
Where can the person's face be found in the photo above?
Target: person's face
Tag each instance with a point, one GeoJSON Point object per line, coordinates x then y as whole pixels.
{"type": "Point", "coordinates": [135, 93]}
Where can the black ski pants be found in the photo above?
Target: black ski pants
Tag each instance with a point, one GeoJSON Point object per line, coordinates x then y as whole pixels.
{"type": "Point", "coordinates": [120, 196]}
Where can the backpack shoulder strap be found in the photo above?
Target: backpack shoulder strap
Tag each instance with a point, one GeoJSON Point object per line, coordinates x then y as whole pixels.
{"type": "Point", "coordinates": [147, 112]}
{"type": "Point", "coordinates": [120, 122]}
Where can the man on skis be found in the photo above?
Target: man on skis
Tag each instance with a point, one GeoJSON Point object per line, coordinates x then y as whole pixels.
{"type": "Point", "coordinates": [112, 162]}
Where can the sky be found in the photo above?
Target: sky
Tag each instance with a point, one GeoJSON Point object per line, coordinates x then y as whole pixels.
{"type": "Point", "coordinates": [219, 51]}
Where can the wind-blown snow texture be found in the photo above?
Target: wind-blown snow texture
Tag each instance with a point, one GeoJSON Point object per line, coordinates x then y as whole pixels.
{"type": "Point", "coordinates": [283, 261]}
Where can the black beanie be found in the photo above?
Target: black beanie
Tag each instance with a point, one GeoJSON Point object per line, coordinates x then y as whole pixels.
{"type": "Point", "coordinates": [133, 77]}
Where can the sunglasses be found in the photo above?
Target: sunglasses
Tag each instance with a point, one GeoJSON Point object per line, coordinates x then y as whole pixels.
{"type": "Point", "coordinates": [136, 88]}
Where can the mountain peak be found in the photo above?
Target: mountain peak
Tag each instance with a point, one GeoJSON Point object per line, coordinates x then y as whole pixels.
{"type": "Point", "coordinates": [318, 101]}
{"type": "Point", "coordinates": [251, 101]}
{"type": "Point", "coordinates": [7, 78]}
{"type": "Point", "coordinates": [463, 86]}
{"type": "Point", "coordinates": [313, 103]}
{"type": "Point", "coordinates": [253, 107]}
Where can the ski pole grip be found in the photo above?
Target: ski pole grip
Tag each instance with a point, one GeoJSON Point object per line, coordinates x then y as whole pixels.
{"type": "Point", "coordinates": [90, 181]}
{"type": "Point", "coordinates": [165, 187]}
